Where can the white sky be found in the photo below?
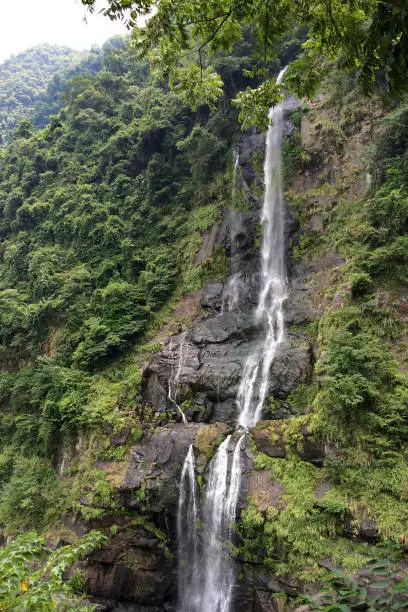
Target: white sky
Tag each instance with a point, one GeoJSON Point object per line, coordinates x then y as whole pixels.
{"type": "Point", "coordinates": [26, 23]}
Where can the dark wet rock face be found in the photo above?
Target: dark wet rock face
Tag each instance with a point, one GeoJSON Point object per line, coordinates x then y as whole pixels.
{"type": "Point", "coordinates": [215, 350]}
{"type": "Point", "coordinates": [133, 568]}
{"type": "Point", "coordinates": [138, 567]}
{"type": "Point", "coordinates": [155, 467]}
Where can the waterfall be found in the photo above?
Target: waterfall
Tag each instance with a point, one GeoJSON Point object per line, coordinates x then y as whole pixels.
{"type": "Point", "coordinates": [235, 154]}
{"type": "Point", "coordinates": [187, 535]}
{"type": "Point", "coordinates": [175, 376]}
{"type": "Point", "coordinates": [208, 584]}
{"type": "Point", "coordinates": [230, 298]}
{"type": "Point", "coordinates": [253, 387]}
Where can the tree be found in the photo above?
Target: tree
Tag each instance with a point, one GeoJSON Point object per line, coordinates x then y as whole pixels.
{"type": "Point", "coordinates": [369, 37]}
{"type": "Point", "coordinates": [32, 575]}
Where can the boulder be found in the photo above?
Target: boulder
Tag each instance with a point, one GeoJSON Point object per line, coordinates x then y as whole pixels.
{"type": "Point", "coordinates": [269, 442]}
{"type": "Point", "coordinates": [363, 528]}
{"type": "Point", "coordinates": [207, 437]}
{"type": "Point", "coordinates": [265, 492]}
{"type": "Point", "coordinates": [269, 438]}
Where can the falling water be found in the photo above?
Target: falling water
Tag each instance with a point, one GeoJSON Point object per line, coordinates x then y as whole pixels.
{"type": "Point", "coordinates": [175, 376]}
{"type": "Point", "coordinates": [235, 154]}
{"type": "Point", "coordinates": [209, 585]}
{"type": "Point", "coordinates": [230, 298]}
{"type": "Point", "coordinates": [254, 382]}
{"type": "Point", "coordinates": [187, 535]}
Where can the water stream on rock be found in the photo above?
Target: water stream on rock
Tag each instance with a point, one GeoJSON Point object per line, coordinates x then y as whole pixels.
{"type": "Point", "coordinates": [254, 382]}
{"type": "Point", "coordinates": [206, 575]}
{"type": "Point", "coordinates": [231, 292]}
{"type": "Point", "coordinates": [205, 571]}
{"type": "Point", "coordinates": [175, 376]}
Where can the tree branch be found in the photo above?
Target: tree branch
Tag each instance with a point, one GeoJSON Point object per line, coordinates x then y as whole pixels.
{"type": "Point", "coordinates": [214, 34]}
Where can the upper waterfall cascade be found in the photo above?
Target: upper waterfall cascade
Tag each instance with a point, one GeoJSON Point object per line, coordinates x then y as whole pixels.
{"type": "Point", "coordinates": [206, 574]}
{"type": "Point", "coordinates": [253, 387]}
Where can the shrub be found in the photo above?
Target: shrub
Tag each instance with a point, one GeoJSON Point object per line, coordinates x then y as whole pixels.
{"type": "Point", "coordinates": [32, 491]}
{"type": "Point", "coordinates": [32, 575]}
{"type": "Point", "coordinates": [361, 284]}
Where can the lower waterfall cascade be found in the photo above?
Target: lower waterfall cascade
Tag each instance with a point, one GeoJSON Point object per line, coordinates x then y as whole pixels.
{"type": "Point", "coordinates": [205, 531]}
{"type": "Point", "coordinates": [205, 572]}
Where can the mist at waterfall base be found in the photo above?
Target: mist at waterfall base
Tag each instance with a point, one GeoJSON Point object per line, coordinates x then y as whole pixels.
{"type": "Point", "coordinates": [205, 570]}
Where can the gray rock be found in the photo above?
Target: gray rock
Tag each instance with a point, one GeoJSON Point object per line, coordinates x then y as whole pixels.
{"type": "Point", "coordinates": [226, 410]}
{"type": "Point", "coordinates": [226, 326]}
{"type": "Point", "coordinates": [135, 567]}
{"type": "Point", "coordinates": [211, 297]}
{"type": "Point", "coordinates": [366, 528]}
{"type": "Point", "coordinates": [248, 143]}
{"type": "Point", "coordinates": [313, 451]}
{"type": "Point", "coordinates": [156, 465]}
{"type": "Point", "coordinates": [269, 442]}
{"type": "Point", "coordinates": [292, 366]}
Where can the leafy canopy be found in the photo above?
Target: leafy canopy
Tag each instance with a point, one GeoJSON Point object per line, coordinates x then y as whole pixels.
{"type": "Point", "coordinates": [366, 36]}
{"type": "Point", "coordinates": [32, 575]}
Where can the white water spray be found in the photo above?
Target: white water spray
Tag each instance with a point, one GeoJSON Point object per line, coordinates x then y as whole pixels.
{"type": "Point", "coordinates": [230, 299]}
{"type": "Point", "coordinates": [209, 585]}
{"type": "Point", "coordinates": [253, 388]}
{"type": "Point", "coordinates": [231, 293]}
{"type": "Point", "coordinates": [187, 535]}
{"type": "Point", "coordinates": [174, 379]}
{"type": "Point", "coordinates": [235, 154]}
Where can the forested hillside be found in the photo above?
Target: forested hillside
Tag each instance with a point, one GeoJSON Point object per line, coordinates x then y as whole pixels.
{"type": "Point", "coordinates": [26, 75]}
{"type": "Point", "coordinates": [102, 219]}
{"type": "Point", "coordinates": [32, 82]}
{"type": "Point", "coordinates": [136, 232]}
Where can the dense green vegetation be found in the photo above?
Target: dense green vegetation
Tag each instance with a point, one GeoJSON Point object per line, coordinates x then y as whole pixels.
{"type": "Point", "coordinates": [32, 575]}
{"type": "Point", "coordinates": [102, 217]}
{"type": "Point", "coordinates": [368, 38]}
{"type": "Point", "coordinates": [24, 77]}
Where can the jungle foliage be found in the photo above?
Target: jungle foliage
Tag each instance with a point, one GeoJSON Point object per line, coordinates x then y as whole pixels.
{"type": "Point", "coordinates": [32, 575]}
{"type": "Point", "coordinates": [368, 37]}
{"type": "Point", "coordinates": [102, 216]}
{"type": "Point", "coordinates": [24, 78]}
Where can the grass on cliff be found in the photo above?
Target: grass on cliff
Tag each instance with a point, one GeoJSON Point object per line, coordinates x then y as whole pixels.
{"type": "Point", "coordinates": [357, 400]}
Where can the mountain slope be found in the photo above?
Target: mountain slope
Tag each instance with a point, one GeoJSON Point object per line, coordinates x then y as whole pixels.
{"type": "Point", "coordinates": [23, 77]}
{"type": "Point", "coordinates": [32, 82]}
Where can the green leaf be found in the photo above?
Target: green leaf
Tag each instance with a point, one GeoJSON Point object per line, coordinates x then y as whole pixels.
{"type": "Point", "coordinates": [380, 585]}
